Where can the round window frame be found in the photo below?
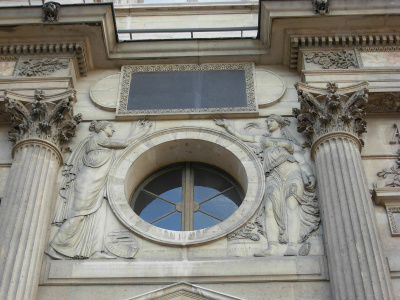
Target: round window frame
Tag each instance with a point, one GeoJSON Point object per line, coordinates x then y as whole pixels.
{"type": "Point", "coordinates": [180, 166]}
{"type": "Point", "coordinates": [169, 146]}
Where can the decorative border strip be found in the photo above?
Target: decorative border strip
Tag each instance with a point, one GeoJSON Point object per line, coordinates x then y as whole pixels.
{"type": "Point", "coordinates": [392, 222]}
{"type": "Point", "coordinates": [128, 70]}
{"type": "Point", "coordinates": [373, 49]}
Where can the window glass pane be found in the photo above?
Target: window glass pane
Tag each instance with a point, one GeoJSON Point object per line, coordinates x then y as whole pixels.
{"type": "Point", "coordinates": [171, 222]}
{"type": "Point", "coordinates": [150, 208]}
{"type": "Point", "coordinates": [202, 221]}
{"type": "Point", "coordinates": [223, 205]}
{"type": "Point", "coordinates": [208, 184]}
{"type": "Point", "coordinates": [187, 89]}
{"type": "Point", "coordinates": [219, 197]}
{"type": "Point", "coordinates": [167, 186]}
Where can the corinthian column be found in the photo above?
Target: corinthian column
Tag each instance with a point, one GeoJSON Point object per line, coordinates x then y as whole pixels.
{"type": "Point", "coordinates": [333, 119]}
{"type": "Point", "coordinates": [39, 124]}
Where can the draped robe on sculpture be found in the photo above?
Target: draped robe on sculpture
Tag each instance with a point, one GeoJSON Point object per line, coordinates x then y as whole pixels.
{"type": "Point", "coordinates": [82, 233]}
{"type": "Point", "coordinates": [284, 178]}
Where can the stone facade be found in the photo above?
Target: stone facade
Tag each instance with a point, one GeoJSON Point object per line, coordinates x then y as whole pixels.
{"type": "Point", "coordinates": [314, 150]}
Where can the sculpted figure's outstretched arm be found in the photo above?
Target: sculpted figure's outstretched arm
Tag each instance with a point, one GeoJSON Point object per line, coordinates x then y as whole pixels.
{"type": "Point", "coordinates": [141, 128]}
{"type": "Point", "coordinates": [244, 137]}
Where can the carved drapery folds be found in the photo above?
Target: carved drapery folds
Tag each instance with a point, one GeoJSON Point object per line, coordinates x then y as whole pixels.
{"type": "Point", "coordinates": [333, 110]}
{"type": "Point", "coordinates": [42, 117]}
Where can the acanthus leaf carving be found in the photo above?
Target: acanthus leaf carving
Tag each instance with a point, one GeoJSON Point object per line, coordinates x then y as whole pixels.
{"type": "Point", "coordinates": [41, 117]}
{"type": "Point", "coordinates": [330, 111]}
{"type": "Point", "coordinates": [40, 67]}
{"type": "Point", "coordinates": [332, 59]}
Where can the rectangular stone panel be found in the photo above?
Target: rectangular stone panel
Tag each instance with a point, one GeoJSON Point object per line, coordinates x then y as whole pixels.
{"type": "Point", "coordinates": [187, 89]}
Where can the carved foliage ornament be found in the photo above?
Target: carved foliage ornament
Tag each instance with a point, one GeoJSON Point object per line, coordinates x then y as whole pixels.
{"type": "Point", "coordinates": [332, 59]}
{"type": "Point", "coordinates": [383, 103]}
{"type": "Point", "coordinates": [321, 7]}
{"type": "Point", "coordinates": [50, 12]}
{"type": "Point", "coordinates": [46, 118]}
{"type": "Point", "coordinates": [391, 175]}
{"type": "Point", "coordinates": [40, 67]}
{"type": "Point", "coordinates": [331, 111]}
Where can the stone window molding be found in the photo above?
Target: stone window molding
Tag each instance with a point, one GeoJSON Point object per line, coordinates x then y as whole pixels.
{"type": "Point", "coordinates": [177, 145]}
{"type": "Point", "coordinates": [390, 198]}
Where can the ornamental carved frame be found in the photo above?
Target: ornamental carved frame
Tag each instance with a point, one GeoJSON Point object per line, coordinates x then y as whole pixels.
{"type": "Point", "coordinates": [185, 144]}
{"type": "Point", "coordinates": [122, 104]}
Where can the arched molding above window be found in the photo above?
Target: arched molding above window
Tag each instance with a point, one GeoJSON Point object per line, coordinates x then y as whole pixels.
{"type": "Point", "coordinates": [178, 145]}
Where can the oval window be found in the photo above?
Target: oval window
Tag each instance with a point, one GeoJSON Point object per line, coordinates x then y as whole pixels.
{"type": "Point", "coordinates": [187, 196]}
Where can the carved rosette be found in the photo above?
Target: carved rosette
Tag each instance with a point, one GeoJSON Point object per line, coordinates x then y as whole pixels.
{"type": "Point", "coordinates": [41, 117]}
{"type": "Point", "coordinates": [332, 110]}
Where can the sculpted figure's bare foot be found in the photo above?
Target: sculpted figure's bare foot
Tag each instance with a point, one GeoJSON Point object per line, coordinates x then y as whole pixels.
{"type": "Point", "coordinates": [291, 250]}
{"type": "Point", "coordinates": [272, 249]}
{"type": "Point", "coordinates": [99, 255]}
{"type": "Point", "coordinates": [53, 253]}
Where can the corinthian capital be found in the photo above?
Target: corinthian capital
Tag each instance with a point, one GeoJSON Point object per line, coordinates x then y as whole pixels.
{"type": "Point", "coordinates": [330, 110]}
{"type": "Point", "coordinates": [42, 117]}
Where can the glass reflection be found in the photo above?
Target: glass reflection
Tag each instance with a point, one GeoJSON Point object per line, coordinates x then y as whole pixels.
{"type": "Point", "coordinates": [171, 222]}
{"type": "Point", "coordinates": [218, 195]}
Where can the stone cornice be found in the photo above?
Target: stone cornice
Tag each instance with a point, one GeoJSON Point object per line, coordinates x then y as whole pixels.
{"type": "Point", "coordinates": [321, 42]}
{"type": "Point", "coordinates": [37, 50]}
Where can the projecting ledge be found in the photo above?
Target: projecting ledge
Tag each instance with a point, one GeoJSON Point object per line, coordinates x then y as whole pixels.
{"type": "Point", "coordinates": [310, 268]}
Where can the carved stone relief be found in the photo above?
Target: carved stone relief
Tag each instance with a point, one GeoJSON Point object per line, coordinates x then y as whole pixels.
{"type": "Point", "coordinates": [390, 177]}
{"type": "Point", "coordinates": [81, 208]}
{"type": "Point", "coordinates": [323, 112]}
{"type": "Point", "coordinates": [40, 67]}
{"type": "Point", "coordinates": [42, 117]}
{"type": "Point", "coordinates": [289, 212]}
{"type": "Point", "coordinates": [396, 135]}
{"type": "Point", "coordinates": [321, 7]}
{"type": "Point", "coordinates": [332, 59]}
{"type": "Point", "coordinates": [245, 232]}
{"type": "Point", "coordinates": [50, 12]}
{"type": "Point", "coordinates": [383, 103]}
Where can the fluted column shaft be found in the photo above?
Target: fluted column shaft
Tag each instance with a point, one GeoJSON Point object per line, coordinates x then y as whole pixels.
{"type": "Point", "coordinates": [333, 119]}
{"type": "Point", "coordinates": [356, 264]}
{"type": "Point", "coordinates": [24, 217]}
{"type": "Point", "coordinates": [39, 124]}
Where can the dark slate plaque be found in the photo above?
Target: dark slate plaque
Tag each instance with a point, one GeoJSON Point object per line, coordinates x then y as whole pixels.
{"type": "Point", "coordinates": [187, 90]}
